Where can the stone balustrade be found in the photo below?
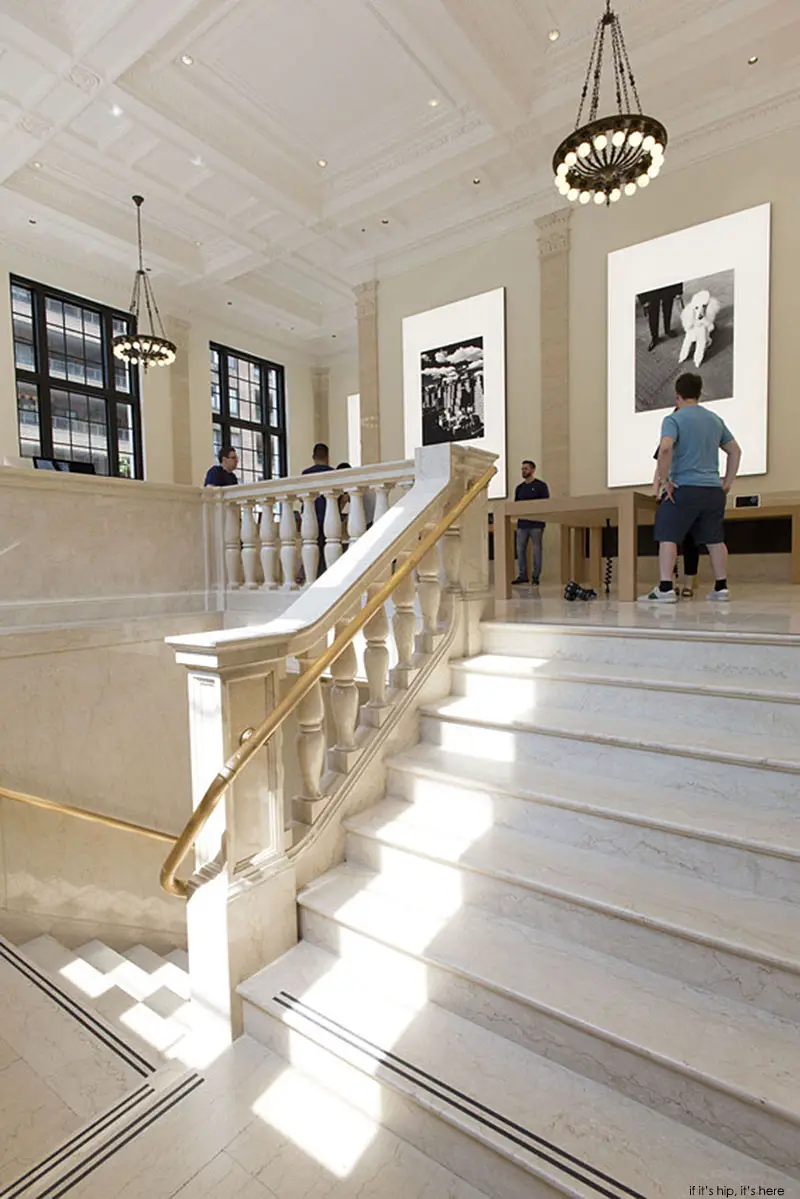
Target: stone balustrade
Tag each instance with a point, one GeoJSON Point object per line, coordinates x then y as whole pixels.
{"type": "Point", "coordinates": [277, 535]}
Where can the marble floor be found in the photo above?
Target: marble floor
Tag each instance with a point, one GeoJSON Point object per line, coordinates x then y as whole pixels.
{"type": "Point", "coordinates": [754, 608]}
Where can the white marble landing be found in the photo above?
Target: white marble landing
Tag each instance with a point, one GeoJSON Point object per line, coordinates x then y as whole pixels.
{"type": "Point", "coordinates": [596, 1125]}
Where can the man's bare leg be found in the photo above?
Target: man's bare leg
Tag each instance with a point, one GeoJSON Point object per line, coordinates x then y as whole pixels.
{"type": "Point", "coordinates": [719, 560]}
{"type": "Point", "coordinates": [667, 557]}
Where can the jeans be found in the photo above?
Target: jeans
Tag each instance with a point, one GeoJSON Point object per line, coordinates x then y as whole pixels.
{"type": "Point", "coordinates": [535, 537]}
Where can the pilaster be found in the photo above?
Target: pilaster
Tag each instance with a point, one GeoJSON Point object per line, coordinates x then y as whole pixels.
{"type": "Point", "coordinates": [554, 244]}
{"type": "Point", "coordinates": [320, 384]}
{"type": "Point", "coordinates": [368, 376]}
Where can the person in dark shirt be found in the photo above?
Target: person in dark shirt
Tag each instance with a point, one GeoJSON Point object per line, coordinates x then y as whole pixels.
{"type": "Point", "coordinates": [321, 462]}
{"type": "Point", "coordinates": [530, 488]}
{"type": "Point", "coordinates": [223, 474]}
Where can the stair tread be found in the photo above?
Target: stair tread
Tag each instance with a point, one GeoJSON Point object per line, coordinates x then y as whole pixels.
{"type": "Point", "coordinates": [688, 740]}
{"type": "Point", "coordinates": [574, 669]}
{"type": "Point", "coordinates": [722, 818]}
{"type": "Point", "coordinates": [764, 928]}
{"type": "Point", "coordinates": [731, 1043]}
{"type": "Point", "coordinates": [595, 1123]}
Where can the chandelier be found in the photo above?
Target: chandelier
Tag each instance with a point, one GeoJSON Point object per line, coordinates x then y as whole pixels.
{"type": "Point", "coordinates": [608, 157]}
{"type": "Point", "coordinates": [153, 348]}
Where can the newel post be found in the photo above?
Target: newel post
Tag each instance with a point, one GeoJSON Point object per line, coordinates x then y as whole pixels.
{"type": "Point", "coordinates": [241, 911]}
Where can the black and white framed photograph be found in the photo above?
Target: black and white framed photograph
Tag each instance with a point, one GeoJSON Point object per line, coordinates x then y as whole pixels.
{"type": "Point", "coordinates": [454, 377]}
{"type": "Point", "coordinates": [696, 300]}
{"type": "Point", "coordinates": [452, 392]}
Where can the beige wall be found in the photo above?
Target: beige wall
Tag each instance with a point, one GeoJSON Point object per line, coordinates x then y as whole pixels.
{"type": "Point", "coordinates": [176, 411]}
{"type": "Point", "coordinates": [740, 179]}
{"type": "Point", "coordinates": [343, 382]}
{"type": "Point", "coordinates": [511, 261]}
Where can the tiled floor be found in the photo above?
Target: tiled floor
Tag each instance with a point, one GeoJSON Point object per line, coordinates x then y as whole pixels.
{"type": "Point", "coordinates": [754, 608]}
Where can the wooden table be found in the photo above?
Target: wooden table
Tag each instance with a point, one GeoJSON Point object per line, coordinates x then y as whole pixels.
{"type": "Point", "coordinates": [576, 514]}
{"type": "Point", "coordinates": [770, 507]}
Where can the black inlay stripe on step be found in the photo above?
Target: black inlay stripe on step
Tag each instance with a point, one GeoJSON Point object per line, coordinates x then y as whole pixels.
{"type": "Point", "coordinates": [477, 1111]}
{"type": "Point", "coordinates": [80, 1138]}
{"type": "Point", "coordinates": [73, 1008]}
{"type": "Point", "coordinates": [123, 1137]}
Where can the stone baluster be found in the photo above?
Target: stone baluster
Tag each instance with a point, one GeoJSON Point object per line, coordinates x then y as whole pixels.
{"type": "Point", "coordinates": [356, 521]}
{"type": "Point", "coordinates": [310, 744]}
{"type": "Point", "coordinates": [233, 546]}
{"type": "Point", "coordinates": [430, 592]}
{"type": "Point", "coordinates": [332, 527]}
{"type": "Point", "coordinates": [250, 545]}
{"type": "Point", "coordinates": [404, 626]}
{"type": "Point", "coordinates": [344, 707]}
{"type": "Point", "coordinates": [288, 535]}
{"type": "Point", "coordinates": [450, 561]}
{"type": "Point", "coordinates": [269, 550]}
{"type": "Point", "coordinates": [309, 532]}
{"type": "Point", "coordinates": [381, 500]}
{"type": "Point", "coordinates": [376, 664]}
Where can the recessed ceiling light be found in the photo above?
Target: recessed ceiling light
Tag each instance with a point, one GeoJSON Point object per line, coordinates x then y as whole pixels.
{"type": "Point", "coordinates": [116, 111]}
{"type": "Point", "coordinates": [198, 243]}
{"type": "Point", "coordinates": [434, 102]}
{"type": "Point", "coordinates": [385, 221]}
{"type": "Point", "coordinates": [31, 220]}
{"type": "Point", "coordinates": [322, 162]}
{"type": "Point", "coordinates": [197, 161]}
{"type": "Point", "coordinates": [554, 35]}
{"type": "Point", "coordinates": [476, 180]}
{"type": "Point", "coordinates": [187, 60]}
{"type": "Point", "coordinates": [37, 166]}
{"type": "Point", "coordinates": [230, 303]}
{"type": "Point", "coordinates": [752, 60]}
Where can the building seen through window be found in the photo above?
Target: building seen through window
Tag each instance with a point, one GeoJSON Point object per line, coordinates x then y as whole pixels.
{"type": "Point", "coordinates": [248, 408]}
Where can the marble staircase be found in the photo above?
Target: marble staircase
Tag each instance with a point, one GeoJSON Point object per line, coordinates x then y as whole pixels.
{"type": "Point", "coordinates": [563, 955]}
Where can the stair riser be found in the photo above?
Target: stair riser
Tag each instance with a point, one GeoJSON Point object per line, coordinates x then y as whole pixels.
{"type": "Point", "coordinates": [716, 968]}
{"type": "Point", "coordinates": [601, 759]}
{"type": "Point", "coordinates": [420, 1124]}
{"type": "Point", "coordinates": [744, 869]}
{"type": "Point", "coordinates": [750, 661]}
{"type": "Point", "coordinates": [513, 697]}
{"type": "Point", "coordinates": [672, 1092]}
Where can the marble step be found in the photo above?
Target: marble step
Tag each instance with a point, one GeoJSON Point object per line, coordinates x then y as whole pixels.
{"type": "Point", "coordinates": [734, 944]}
{"type": "Point", "coordinates": [749, 768]}
{"type": "Point", "coordinates": [738, 844]}
{"type": "Point", "coordinates": [166, 974]}
{"type": "Point", "coordinates": [717, 701]}
{"type": "Point", "coordinates": [516, 1123]}
{"type": "Point", "coordinates": [258, 1128]}
{"type": "Point", "coordinates": [765, 657]}
{"type": "Point", "coordinates": [713, 1064]}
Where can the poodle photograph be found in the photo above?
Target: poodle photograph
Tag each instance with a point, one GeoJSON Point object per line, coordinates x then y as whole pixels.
{"type": "Point", "coordinates": [683, 321]}
{"type": "Point", "coordinates": [698, 318]}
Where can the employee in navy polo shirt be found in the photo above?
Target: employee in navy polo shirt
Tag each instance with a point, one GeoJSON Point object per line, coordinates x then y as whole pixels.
{"type": "Point", "coordinates": [223, 475]}
{"type": "Point", "coordinates": [530, 488]}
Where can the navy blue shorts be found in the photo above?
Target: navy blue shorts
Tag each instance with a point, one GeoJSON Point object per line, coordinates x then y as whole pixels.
{"type": "Point", "coordinates": [696, 510]}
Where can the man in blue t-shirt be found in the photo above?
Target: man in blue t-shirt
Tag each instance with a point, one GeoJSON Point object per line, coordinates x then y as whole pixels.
{"type": "Point", "coordinates": [688, 470]}
{"type": "Point", "coordinates": [530, 488]}
{"type": "Point", "coordinates": [223, 475]}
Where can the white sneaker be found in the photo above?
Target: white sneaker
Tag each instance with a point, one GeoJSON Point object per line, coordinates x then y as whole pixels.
{"type": "Point", "coordinates": [720, 597]}
{"type": "Point", "coordinates": [659, 597]}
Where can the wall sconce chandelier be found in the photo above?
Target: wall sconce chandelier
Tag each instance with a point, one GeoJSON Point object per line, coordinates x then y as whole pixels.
{"type": "Point", "coordinates": [608, 157]}
{"type": "Point", "coordinates": [153, 348]}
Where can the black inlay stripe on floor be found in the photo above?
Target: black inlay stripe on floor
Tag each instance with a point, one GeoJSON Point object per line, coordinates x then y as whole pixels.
{"type": "Point", "coordinates": [168, 1101]}
{"type": "Point", "coordinates": [80, 1138]}
{"type": "Point", "coordinates": [109, 1038]}
{"type": "Point", "coordinates": [477, 1111]}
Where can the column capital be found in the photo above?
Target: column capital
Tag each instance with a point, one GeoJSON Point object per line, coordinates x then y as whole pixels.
{"type": "Point", "coordinates": [366, 299]}
{"type": "Point", "coordinates": [554, 232]}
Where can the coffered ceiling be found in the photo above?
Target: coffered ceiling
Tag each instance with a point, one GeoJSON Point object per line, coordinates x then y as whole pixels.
{"type": "Point", "coordinates": [436, 120]}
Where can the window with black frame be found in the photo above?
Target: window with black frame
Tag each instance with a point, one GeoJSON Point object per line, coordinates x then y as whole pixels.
{"type": "Point", "coordinates": [75, 400]}
{"type": "Point", "coordinates": [249, 412]}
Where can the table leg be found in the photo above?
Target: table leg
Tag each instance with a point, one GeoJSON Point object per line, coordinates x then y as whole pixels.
{"type": "Point", "coordinates": [502, 578]}
{"type": "Point", "coordinates": [627, 549]}
{"type": "Point", "coordinates": [566, 558]}
{"type": "Point", "coordinates": [578, 557]}
{"type": "Point", "coordinates": [595, 558]}
{"type": "Point", "coordinates": [795, 569]}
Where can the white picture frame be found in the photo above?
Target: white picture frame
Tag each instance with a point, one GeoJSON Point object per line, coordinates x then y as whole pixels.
{"type": "Point", "coordinates": [470, 332]}
{"type": "Point", "coordinates": [732, 254]}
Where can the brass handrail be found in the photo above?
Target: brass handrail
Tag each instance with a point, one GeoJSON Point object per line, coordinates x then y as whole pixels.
{"type": "Point", "coordinates": [259, 737]}
{"type": "Point", "coordinates": [123, 826]}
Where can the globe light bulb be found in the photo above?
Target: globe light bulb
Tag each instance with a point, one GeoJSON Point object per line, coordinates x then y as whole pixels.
{"type": "Point", "coordinates": [635, 138]}
{"type": "Point", "coordinates": [654, 170]}
{"type": "Point", "coordinates": [643, 180]}
{"type": "Point", "coordinates": [571, 158]}
{"type": "Point", "coordinates": [600, 142]}
{"type": "Point", "coordinates": [599, 197]}
{"type": "Point", "coordinates": [573, 194]}
{"type": "Point", "coordinates": [583, 149]}
{"type": "Point", "coordinates": [648, 142]}
{"type": "Point", "coordinates": [563, 187]}
{"type": "Point", "coordinates": [557, 180]}
{"type": "Point", "coordinates": [630, 189]}
{"type": "Point", "coordinates": [614, 195]}
{"type": "Point", "coordinates": [562, 168]}
{"type": "Point", "coordinates": [585, 197]}
{"type": "Point", "coordinates": [618, 138]}
{"type": "Point", "coordinates": [658, 149]}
